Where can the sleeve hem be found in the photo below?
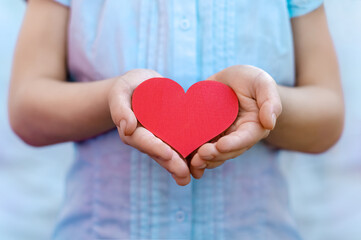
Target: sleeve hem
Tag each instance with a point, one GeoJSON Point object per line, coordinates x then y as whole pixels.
{"type": "Point", "coordinates": [63, 2]}
{"type": "Point", "coordinates": [296, 11]}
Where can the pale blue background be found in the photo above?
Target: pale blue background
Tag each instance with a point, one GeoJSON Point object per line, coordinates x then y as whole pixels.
{"type": "Point", "coordinates": [325, 189]}
{"type": "Point", "coordinates": [31, 180]}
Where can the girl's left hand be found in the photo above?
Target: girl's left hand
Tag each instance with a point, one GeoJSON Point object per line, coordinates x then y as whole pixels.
{"type": "Point", "coordinates": [260, 106]}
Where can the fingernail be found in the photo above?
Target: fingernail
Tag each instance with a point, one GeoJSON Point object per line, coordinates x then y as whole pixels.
{"type": "Point", "coordinates": [274, 119]}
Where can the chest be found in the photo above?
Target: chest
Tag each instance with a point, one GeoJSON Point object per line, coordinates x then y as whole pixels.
{"type": "Point", "coordinates": [185, 40]}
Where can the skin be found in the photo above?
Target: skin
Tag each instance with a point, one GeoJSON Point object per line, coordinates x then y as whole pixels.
{"type": "Point", "coordinates": [45, 109]}
{"type": "Point", "coordinates": [312, 116]}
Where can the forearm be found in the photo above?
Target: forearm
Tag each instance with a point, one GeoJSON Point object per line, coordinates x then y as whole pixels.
{"type": "Point", "coordinates": [50, 111]}
{"type": "Point", "coordinates": [311, 120]}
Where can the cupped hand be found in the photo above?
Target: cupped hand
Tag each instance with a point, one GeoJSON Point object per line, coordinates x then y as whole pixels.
{"type": "Point", "coordinates": [133, 134]}
{"type": "Point", "coordinates": [260, 105]}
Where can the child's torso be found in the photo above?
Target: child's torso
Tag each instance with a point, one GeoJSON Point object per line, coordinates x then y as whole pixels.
{"type": "Point", "coordinates": [115, 191]}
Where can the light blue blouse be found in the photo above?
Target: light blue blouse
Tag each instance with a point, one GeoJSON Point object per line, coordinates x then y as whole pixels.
{"type": "Point", "coordinates": [116, 192]}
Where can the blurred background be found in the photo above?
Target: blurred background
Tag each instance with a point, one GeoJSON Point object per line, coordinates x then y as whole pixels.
{"type": "Point", "coordinates": [31, 179]}
{"type": "Point", "coordinates": [325, 189]}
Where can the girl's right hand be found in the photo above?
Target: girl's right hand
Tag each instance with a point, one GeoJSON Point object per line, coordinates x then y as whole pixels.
{"type": "Point", "coordinates": [135, 135]}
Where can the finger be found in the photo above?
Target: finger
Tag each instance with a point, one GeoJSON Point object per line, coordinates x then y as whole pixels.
{"type": "Point", "coordinates": [268, 100]}
{"type": "Point", "coordinates": [221, 157]}
{"type": "Point", "coordinates": [214, 164]}
{"type": "Point", "coordinates": [197, 173]}
{"type": "Point", "coordinates": [182, 181]}
{"type": "Point", "coordinates": [122, 114]}
{"type": "Point", "coordinates": [267, 116]}
{"type": "Point", "coordinates": [128, 122]}
{"type": "Point", "coordinates": [175, 166]}
{"type": "Point", "coordinates": [245, 136]}
{"type": "Point", "coordinates": [207, 152]}
{"type": "Point", "coordinates": [122, 110]}
{"type": "Point", "coordinates": [136, 76]}
{"type": "Point", "coordinates": [146, 142]}
{"type": "Point", "coordinates": [211, 155]}
{"type": "Point", "coordinates": [198, 162]}
{"type": "Point", "coordinates": [197, 166]}
{"type": "Point", "coordinates": [181, 178]}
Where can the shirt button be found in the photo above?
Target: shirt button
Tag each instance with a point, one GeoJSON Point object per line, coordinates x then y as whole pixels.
{"type": "Point", "coordinates": [184, 24]}
{"type": "Point", "coordinates": [180, 216]}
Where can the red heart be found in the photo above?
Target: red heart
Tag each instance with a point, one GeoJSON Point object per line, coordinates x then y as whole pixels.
{"type": "Point", "coordinates": [185, 121]}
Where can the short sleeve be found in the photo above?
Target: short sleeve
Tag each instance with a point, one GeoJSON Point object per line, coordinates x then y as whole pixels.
{"type": "Point", "coordinates": [63, 2]}
{"type": "Point", "coordinates": [300, 7]}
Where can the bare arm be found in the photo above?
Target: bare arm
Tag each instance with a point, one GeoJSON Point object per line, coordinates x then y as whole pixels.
{"type": "Point", "coordinates": [313, 112]}
{"type": "Point", "coordinates": [43, 107]}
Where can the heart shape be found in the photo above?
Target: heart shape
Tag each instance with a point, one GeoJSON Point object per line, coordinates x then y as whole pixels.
{"type": "Point", "coordinates": [185, 121]}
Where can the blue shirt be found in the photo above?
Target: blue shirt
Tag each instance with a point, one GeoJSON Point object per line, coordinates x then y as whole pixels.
{"type": "Point", "coordinates": [114, 191]}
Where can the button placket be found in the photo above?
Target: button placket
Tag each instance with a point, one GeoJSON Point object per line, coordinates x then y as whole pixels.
{"type": "Point", "coordinates": [185, 43]}
{"type": "Point", "coordinates": [184, 24]}
{"type": "Point", "coordinates": [180, 216]}
{"type": "Point", "coordinates": [184, 71]}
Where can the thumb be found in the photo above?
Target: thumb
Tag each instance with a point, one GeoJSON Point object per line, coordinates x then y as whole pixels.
{"type": "Point", "coordinates": [268, 101]}
{"type": "Point", "coordinates": [128, 122]}
{"type": "Point", "coordinates": [122, 114]}
{"type": "Point", "coordinates": [269, 113]}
